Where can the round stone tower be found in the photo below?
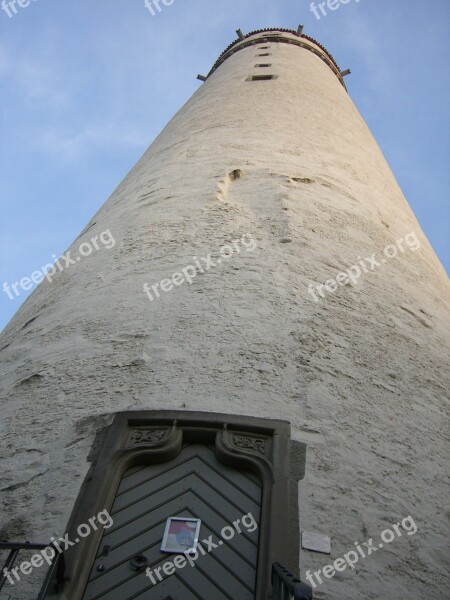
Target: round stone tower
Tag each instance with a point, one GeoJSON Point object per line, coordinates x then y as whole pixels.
{"type": "Point", "coordinates": [259, 260]}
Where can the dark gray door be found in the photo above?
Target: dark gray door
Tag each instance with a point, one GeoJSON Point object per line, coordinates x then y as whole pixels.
{"type": "Point", "coordinates": [195, 484]}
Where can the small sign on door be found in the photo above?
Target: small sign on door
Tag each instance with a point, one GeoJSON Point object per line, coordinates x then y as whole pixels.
{"type": "Point", "coordinates": [181, 535]}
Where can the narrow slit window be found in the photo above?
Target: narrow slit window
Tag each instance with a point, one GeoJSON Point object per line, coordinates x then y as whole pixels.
{"type": "Point", "coordinates": [261, 77]}
{"type": "Point", "coordinates": [261, 65]}
{"type": "Point", "coordinates": [264, 54]}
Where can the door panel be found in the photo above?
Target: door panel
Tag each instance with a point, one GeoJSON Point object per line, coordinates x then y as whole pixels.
{"type": "Point", "coordinates": [194, 484]}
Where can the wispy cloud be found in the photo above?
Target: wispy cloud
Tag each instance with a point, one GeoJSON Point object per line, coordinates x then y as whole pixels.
{"type": "Point", "coordinates": [359, 34]}
{"type": "Point", "coordinates": [75, 143]}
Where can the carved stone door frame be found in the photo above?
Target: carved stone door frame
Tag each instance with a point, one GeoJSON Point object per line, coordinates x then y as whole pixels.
{"type": "Point", "coordinates": [261, 446]}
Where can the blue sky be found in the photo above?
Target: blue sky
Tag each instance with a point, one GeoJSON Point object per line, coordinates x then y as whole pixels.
{"type": "Point", "coordinates": [86, 86]}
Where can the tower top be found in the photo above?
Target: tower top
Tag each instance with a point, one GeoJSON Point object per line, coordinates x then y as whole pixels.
{"type": "Point", "coordinates": [284, 36]}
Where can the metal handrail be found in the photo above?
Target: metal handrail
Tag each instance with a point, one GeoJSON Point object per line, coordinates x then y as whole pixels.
{"type": "Point", "coordinates": [57, 565]}
{"type": "Point", "coordinates": [288, 587]}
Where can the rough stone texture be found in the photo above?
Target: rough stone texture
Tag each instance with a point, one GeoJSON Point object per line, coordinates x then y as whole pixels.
{"type": "Point", "coordinates": [362, 374]}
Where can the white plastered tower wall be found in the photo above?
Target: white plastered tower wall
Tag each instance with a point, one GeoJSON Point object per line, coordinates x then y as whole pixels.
{"type": "Point", "coordinates": [360, 374]}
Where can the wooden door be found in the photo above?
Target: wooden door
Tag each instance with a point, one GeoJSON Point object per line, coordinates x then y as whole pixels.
{"type": "Point", "coordinates": [194, 484]}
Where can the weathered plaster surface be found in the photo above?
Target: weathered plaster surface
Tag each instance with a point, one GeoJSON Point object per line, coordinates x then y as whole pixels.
{"type": "Point", "coordinates": [362, 374]}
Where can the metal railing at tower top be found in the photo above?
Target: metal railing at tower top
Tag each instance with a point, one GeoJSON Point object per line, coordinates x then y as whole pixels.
{"type": "Point", "coordinates": [56, 567]}
{"type": "Point", "coordinates": [279, 35]}
{"type": "Point", "coordinates": [288, 587]}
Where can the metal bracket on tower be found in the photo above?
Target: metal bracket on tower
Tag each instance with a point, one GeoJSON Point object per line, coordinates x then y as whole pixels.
{"type": "Point", "coordinates": [346, 72]}
{"type": "Point", "coordinates": [241, 36]}
{"type": "Point", "coordinates": [300, 30]}
{"type": "Point", "coordinates": [202, 77]}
